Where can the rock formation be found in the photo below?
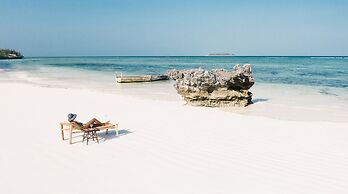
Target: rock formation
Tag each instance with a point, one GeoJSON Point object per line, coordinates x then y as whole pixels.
{"type": "Point", "coordinates": [214, 88]}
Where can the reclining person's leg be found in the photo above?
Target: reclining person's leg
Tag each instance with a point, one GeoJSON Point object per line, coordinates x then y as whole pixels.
{"type": "Point", "coordinates": [93, 121]}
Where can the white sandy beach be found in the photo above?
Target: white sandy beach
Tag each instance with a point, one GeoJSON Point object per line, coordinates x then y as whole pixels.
{"type": "Point", "coordinates": [164, 147]}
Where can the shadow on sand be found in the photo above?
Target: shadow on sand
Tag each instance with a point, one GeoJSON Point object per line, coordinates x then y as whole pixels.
{"type": "Point", "coordinates": [258, 100]}
{"type": "Point", "coordinates": [102, 136]}
{"type": "Point", "coordinates": [112, 134]}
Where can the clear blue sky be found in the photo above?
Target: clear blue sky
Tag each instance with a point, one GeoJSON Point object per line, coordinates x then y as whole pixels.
{"type": "Point", "coordinates": [180, 27]}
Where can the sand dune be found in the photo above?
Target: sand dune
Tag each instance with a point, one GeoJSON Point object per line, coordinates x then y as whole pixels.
{"type": "Point", "coordinates": [164, 147]}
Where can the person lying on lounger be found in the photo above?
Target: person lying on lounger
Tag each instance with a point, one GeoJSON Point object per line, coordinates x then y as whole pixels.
{"type": "Point", "coordinates": [90, 124]}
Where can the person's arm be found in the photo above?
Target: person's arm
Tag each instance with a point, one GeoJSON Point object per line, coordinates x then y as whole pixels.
{"type": "Point", "coordinates": [76, 125]}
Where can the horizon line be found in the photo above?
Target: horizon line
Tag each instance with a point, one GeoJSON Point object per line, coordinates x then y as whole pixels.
{"type": "Point", "coordinates": [72, 56]}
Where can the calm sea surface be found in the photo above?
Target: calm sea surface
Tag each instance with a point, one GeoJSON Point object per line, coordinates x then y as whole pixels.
{"type": "Point", "coordinates": [310, 71]}
{"type": "Point", "coordinates": [291, 88]}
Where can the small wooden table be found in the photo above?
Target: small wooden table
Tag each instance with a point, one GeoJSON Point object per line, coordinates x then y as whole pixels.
{"type": "Point", "coordinates": [90, 133]}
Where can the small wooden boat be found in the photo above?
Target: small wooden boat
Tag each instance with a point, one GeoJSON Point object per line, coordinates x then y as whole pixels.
{"type": "Point", "coordinates": [140, 78]}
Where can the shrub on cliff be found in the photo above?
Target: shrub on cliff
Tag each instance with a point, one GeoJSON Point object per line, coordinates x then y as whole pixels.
{"type": "Point", "coordinates": [10, 54]}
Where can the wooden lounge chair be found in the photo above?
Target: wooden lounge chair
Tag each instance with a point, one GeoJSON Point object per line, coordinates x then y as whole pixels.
{"type": "Point", "coordinates": [73, 128]}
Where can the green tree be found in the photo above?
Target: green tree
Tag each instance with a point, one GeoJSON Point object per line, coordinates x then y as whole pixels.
{"type": "Point", "coordinates": [10, 54]}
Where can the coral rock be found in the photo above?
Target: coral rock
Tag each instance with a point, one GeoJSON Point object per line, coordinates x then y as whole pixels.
{"type": "Point", "coordinates": [214, 88]}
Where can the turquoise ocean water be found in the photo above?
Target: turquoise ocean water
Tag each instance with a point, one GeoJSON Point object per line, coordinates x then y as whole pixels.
{"type": "Point", "coordinates": [292, 88]}
{"type": "Point", "coordinates": [312, 71]}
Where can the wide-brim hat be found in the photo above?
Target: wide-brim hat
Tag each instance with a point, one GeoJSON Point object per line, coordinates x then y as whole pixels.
{"type": "Point", "coordinates": [71, 117]}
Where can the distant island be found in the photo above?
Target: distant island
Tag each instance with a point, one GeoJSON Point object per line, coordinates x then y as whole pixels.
{"type": "Point", "coordinates": [220, 54]}
{"type": "Point", "coordinates": [10, 54]}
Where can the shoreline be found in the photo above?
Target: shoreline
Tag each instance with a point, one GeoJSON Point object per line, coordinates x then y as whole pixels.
{"type": "Point", "coordinates": [240, 111]}
{"type": "Point", "coordinates": [301, 103]}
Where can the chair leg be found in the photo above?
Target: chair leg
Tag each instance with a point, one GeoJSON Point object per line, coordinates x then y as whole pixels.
{"type": "Point", "coordinates": [62, 134]}
{"type": "Point", "coordinates": [116, 128]}
{"type": "Point", "coordinates": [70, 136]}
